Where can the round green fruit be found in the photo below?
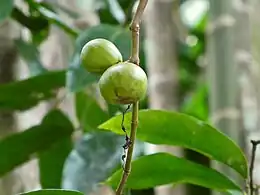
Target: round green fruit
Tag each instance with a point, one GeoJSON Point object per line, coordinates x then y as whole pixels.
{"type": "Point", "coordinates": [123, 83]}
{"type": "Point", "coordinates": [99, 54]}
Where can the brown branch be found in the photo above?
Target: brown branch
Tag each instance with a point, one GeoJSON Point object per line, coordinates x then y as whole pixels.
{"type": "Point", "coordinates": [251, 168]}
{"type": "Point", "coordinates": [134, 58]}
{"type": "Point", "coordinates": [135, 28]}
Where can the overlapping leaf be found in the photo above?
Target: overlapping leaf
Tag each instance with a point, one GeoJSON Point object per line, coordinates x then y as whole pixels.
{"type": "Point", "coordinates": [171, 128]}
{"type": "Point", "coordinates": [89, 113]}
{"type": "Point", "coordinates": [18, 148]}
{"type": "Point", "coordinates": [162, 168]}
{"type": "Point", "coordinates": [24, 94]}
{"type": "Point", "coordinates": [51, 163]}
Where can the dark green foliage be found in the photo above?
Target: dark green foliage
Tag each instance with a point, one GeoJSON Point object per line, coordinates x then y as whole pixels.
{"type": "Point", "coordinates": [18, 148]}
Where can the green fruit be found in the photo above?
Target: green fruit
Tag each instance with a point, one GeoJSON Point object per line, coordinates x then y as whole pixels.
{"type": "Point", "coordinates": [99, 54]}
{"type": "Point", "coordinates": [123, 83]}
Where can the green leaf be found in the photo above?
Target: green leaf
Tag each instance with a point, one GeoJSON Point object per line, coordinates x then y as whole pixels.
{"type": "Point", "coordinates": [31, 55]}
{"type": "Point", "coordinates": [51, 163]}
{"type": "Point", "coordinates": [24, 94]}
{"type": "Point", "coordinates": [89, 113]}
{"type": "Point", "coordinates": [18, 148]}
{"type": "Point", "coordinates": [53, 18]}
{"type": "Point", "coordinates": [6, 8]}
{"type": "Point", "coordinates": [95, 157]}
{"type": "Point", "coordinates": [162, 168]}
{"type": "Point", "coordinates": [123, 42]}
{"type": "Point", "coordinates": [116, 10]}
{"type": "Point", "coordinates": [77, 78]}
{"type": "Point", "coordinates": [197, 104]}
{"type": "Point", "coordinates": [171, 128]}
{"type": "Point", "coordinates": [34, 23]}
{"type": "Point", "coordinates": [53, 192]}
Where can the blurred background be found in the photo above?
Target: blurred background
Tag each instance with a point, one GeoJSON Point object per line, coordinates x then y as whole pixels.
{"type": "Point", "coordinates": [202, 58]}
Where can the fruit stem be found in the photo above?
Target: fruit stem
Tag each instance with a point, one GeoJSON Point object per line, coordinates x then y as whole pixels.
{"type": "Point", "coordinates": [135, 28]}
{"type": "Point", "coordinates": [134, 58]}
{"type": "Point", "coordinates": [127, 167]}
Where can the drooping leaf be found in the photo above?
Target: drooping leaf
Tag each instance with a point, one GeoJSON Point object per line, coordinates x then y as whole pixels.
{"type": "Point", "coordinates": [18, 148]}
{"type": "Point", "coordinates": [53, 17]}
{"type": "Point", "coordinates": [52, 192]}
{"type": "Point", "coordinates": [6, 8]}
{"type": "Point", "coordinates": [116, 10]}
{"type": "Point", "coordinates": [51, 163]}
{"type": "Point", "coordinates": [171, 128]}
{"type": "Point", "coordinates": [162, 168]}
{"type": "Point", "coordinates": [31, 55]}
{"type": "Point", "coordinates": [33, 23]}
{"type": "Point", "coordinates": [89, 113]}
{"type": "Point", "coordinates": [24, 94]}
{"type": "Point", "coordinates": [94, 159]}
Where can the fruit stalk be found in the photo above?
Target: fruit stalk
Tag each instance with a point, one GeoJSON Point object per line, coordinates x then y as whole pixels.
{"type": "Point", "coordinates": [134, 58]}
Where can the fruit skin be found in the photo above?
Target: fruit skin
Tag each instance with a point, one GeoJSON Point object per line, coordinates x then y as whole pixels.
{"type": "Point", "coordinates": [123, 83]}
{"type": "Point", "coordinates": [99, 54]}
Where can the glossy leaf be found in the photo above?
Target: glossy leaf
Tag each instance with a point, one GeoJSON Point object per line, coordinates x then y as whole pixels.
{"type": "Point", "coordinates": [24, 94]}
{"type": "Point", "coordinates": [171, 128]}
{"type": "Point", "coordinates": [51, 163]}
{"type": "Point", "coordinates": [162, 168]}
{"type": "Point", "coordinates": [31, 55]}
{"type": "Point", "coordinates": [18, 148]}
{"type": "Point", "coordinates": [89, 113]}
{"type": "Point", "coordinates": [52, 192]}
{"type": "Point", "coordinates": [6, 8]}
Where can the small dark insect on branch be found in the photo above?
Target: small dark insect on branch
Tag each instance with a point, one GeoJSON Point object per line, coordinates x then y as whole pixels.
{"type": "Point", "coordinates": [251, 168]}
{"type": "Point", "coordinates": [127, 139]}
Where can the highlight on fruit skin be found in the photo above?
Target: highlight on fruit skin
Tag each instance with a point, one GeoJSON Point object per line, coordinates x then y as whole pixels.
{"type": "Point", "coordinates": [123, 83]}
{"type": "Point", "coordinates": [99, 54]}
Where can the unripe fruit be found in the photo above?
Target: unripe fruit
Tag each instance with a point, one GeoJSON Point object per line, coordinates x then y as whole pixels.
{"type": "Point", "coordinates": [123, 83]}
{"type": "Point", "coordinates": [99, 54]}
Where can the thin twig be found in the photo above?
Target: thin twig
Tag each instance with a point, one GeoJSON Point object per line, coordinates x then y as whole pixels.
{"type": "Point", "coordinates": [251, 168]}
{"type": "Point", "coordinates": [134, 58]}
{"type": "Point", "coordinates": [127, 167]}
{"type": "Point", "coordinates": [135, 27]}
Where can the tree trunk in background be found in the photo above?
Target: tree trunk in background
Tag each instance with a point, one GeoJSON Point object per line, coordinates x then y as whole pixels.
{"type": "Point", "coordinates": [11, 183]}
{"type": "Point", "coordinates": [162, 70]}
{"type": "Point", "coordinates": [224, 101]}
{"type": "Point", "coordinates": [252, 116]}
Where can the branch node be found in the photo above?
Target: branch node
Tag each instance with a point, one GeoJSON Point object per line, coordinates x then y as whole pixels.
{"type": "Point", "coordinates": [251, 168]}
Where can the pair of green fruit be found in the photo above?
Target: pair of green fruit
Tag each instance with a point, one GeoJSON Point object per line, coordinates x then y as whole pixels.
{"type": "Point", "coordinates": [120, 82]}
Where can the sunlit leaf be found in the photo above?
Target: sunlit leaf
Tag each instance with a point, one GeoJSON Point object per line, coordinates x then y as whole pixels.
{"type": "Point", "coordinates": [171, 128]}
{"type": "Point", "coordinates": [162, 168]}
